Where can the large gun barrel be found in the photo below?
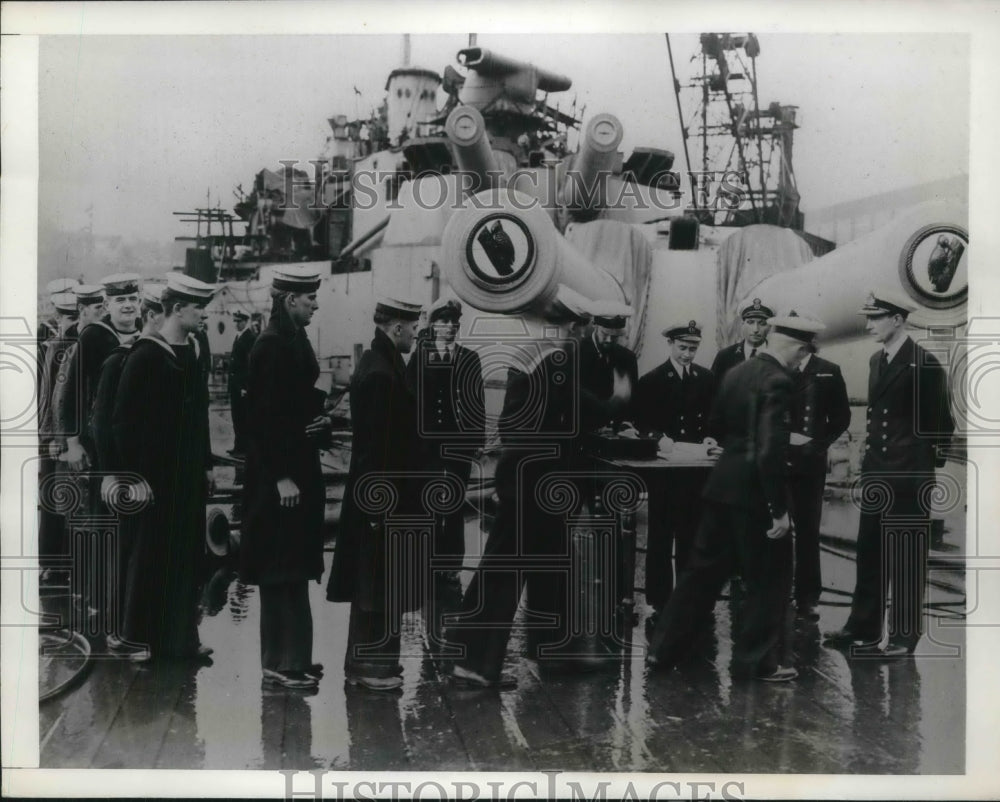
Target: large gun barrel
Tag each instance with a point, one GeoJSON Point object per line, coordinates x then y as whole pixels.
{"type": "Point", "coordinates": [492, 65]}
{"type": "Point", "coordinates": [923, 254]}
{"type": "Point", "coordinates": [467, 132]}
{"type": "Point", "coordinates": [502, 253]}
{"type": "Point", "coordinates": [586, 185]}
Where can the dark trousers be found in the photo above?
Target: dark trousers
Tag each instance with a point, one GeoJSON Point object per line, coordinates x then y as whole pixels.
{"type": "Point", "coordinates": [674, 512]}
{"type": "Point", "coordinates": [535, 553]}
{"type": "Point", "coordinates": [286, 626]}
{"type": "Point", "coordinates": [730, 537]}
{"type": "Point", "coordinates": [447, 555]}
{"type": "Point", "coordinates": [238, 410]}
{"type": "Point", "coordinates": [892, 553]}
{"type": "Point", "coordinates": [373, 643]}
{"type": "Point", "coordinates": [806, 500]}
{"type": "Point", "coordinates": [52, 543]}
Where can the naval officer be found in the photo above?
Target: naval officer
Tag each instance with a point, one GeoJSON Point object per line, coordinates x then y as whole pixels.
{"type": "Point", "coordinates": [609, 374]}
{"type": "Point", "coordinates": [754, 318]}
{"type": "Point", "coordinates": [675, 399]}
{"type": "Point", "coordinates": [745, 520]}
{"type": "Point", "coordinates": [529, 539]}
{"type": "Point", "coordinates": [820, 413]}
{"type": "Point", "coordinates": [908, 424]}
{"type": "Point", "coordinates": [446, 379]}
{"type": "Point", "coordinates": [239, 365]}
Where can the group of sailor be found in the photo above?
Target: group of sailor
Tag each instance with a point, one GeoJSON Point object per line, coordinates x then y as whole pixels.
{"type": "Point", "coordinates": [124, 411]}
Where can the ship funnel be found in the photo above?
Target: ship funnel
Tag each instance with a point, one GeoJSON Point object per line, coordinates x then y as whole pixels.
{"type": "Point", "coordinates": [502, 253]}
{"type": "Point", "coordinates": [492, 75]}
{"type": "Point", "coordinates": [467, 132]}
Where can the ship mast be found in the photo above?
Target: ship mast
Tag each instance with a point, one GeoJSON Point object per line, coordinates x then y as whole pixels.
{"type": "Point", "coordinates": [737, 136]}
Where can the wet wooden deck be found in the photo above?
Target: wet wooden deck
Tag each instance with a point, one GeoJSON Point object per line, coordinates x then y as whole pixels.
{"type": "Point", "coordinates": [839, 716]}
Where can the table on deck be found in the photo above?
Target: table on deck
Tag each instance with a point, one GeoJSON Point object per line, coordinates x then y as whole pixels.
{"type": "Point", "coordinates": [654, 473]}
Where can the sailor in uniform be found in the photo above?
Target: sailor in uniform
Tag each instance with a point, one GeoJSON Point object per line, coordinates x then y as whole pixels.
{"type": "Point", "coordinates": [51, 527]}
{"type": "Point", "coordinates": [96, 341]}
{"type": "Point", "coordinates": [160, 432]}
{"type": "Point", "coordinates": [108, 459]}
{"type": "Point", "coordinates": [384, 447]}
{"type": "Point", "coordinates": [447, 381]}
{"type": "Point", "coordinates": [908, 424]}
{"type": "Point", "coordinates": [284, 496]}
{"type": "Point", "coordinates": [675, 399]}
{"type": "Point", "coordinates": [239, 364]}
{"type": "Point", "coordinates": [538, 433]}
{"type": "Point", "coordinates": [745, 518]}
{"type": "Point", "coordinates": [754, 316]}
{"type": "Point", "coordinates": [820, 414]}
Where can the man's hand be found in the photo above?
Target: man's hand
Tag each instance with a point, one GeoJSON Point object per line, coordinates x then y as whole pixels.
{"type": "Point", "coordinates": [141, 492]}
{"type": "Point", "coordinates": [55, 449]}
{"type": "Point", "coordinates": [107, 483]}
{"type": "Point", "coordinates": [628, 430]}
{"type": "Point", "coordinates": [318, 426]}
{"type": "Point", "coordinates": [75, 456]}
{"type": "Point", "coordinates": [665, 444]}
{"type": "Point", "coordinates": [288, 492]}
{"type": "Point", "coordinates": [781, 527]}
{"type": "Point", "coordinates": [713, 450]}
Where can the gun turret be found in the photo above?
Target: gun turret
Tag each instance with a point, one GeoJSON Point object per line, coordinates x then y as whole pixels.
{"type": "Point", "coordinates": [502, 253]}
{"type": "Point", "coordinates": [905, 255]}
{"type": "Point", "coordinates": [492, 75]}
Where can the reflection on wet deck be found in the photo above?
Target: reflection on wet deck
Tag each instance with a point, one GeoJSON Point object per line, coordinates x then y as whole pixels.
{"type": "Point", "coordinates": [839, 716]}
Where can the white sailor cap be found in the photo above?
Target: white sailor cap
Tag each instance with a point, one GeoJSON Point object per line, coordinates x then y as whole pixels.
{"type": "Point", "coordinates": [151, 294]}
{"type": "Point", "coordinates": [796, 326]}
{"type": "Point", "coordinates": [190, 288]}
{"type": "Point", "coordinates": [398, 308]}
{"type": "Point", "coordinates": [61, 285]}
{"type": "Point", "coordinates": [611, 314]}
{"type": "Point", "coordinates": [121, 284]}
{"type": "Point", "coordinates": [886, 302]}
{"type": "Point", "coordinates": [64, 301]}
{"type": "Point", "coordinates": [88, 293]}
{"type": "Point", "coordinates": [445, 309]}
{"type": "Point", "coordinates": [295, 278]}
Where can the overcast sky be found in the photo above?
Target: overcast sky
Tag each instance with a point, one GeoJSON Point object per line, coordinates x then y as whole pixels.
{"type": "Point", "coordinates": [140, 126]}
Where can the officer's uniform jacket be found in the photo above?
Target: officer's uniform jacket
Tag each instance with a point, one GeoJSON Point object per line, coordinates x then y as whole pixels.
{"type": "Point", "coordinates": [820, 410]}
{"type": "Point", "coordinates": [728, 358]}
{"type": "Point", "coordinates": [449, 397]}
{"type": "Point", "coordinates": [676, 408]}
{"type": "Point", "coordinates": [597, 381]}
{"type": "Point", "coordinates": [750, 420]}
{"type": "Point", "coordinates": [908, 414]}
